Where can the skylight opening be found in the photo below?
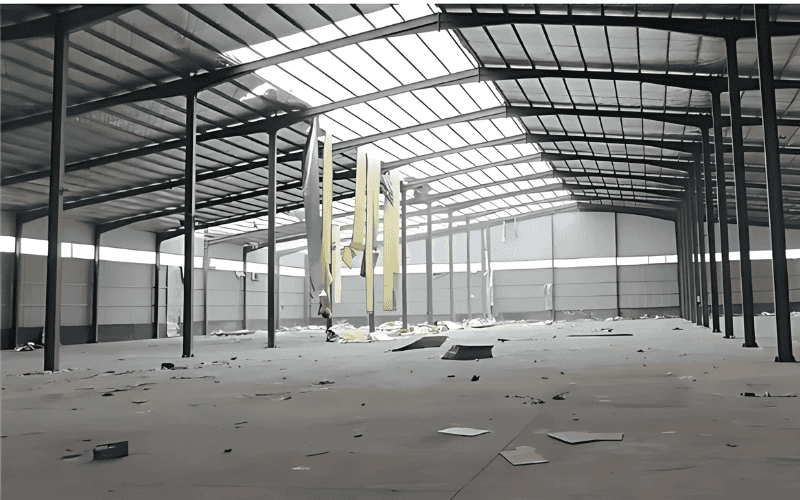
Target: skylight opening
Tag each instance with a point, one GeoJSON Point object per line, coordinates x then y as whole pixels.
{"type": "Point", "coordinates": [388, 108]}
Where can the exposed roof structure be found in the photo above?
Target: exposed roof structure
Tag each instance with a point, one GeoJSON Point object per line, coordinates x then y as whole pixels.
{"type": "Point", "coordinates": [500, 110]}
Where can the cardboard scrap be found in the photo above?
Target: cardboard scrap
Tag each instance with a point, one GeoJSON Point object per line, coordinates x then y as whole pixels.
{"type": "Point", "coordinates": [463, 431]}
{"type": "Point", "coordinates": [523, 455]}
{"type": "Point", "coordinates": [573, 437]}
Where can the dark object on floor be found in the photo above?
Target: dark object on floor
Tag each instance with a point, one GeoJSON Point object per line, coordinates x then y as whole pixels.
{"type": "Point", "coordinates": [30, 346]}
{"type": "Point", "coordinates": [573, 437]}
{"type": "Point", "coordinates": [325, 382]}
{"type": "Point", "coordinates": [167, 366]}
{"type": "Point", "coordinates": [469, 352]}
{"type": "Point", "coordinates": [475, 378]}
{"type": "Point", "coordinates": [676, 328]}
{"type": "Point", "coordinates": [423, 343]}
{"type": "Point", "coordinates": [228, 450]}
{"type": "Point", "coordinates": [560, 397]}
{"type": "Point", "coordinates": [358, 435]}
{"type": "Point", "coordinates": [732, 445]}
{"type": "Point", "coordinates": [316, 454]}
{"type": "Point", "coordinates": [108, 394]}
{"type": "Point", "coordinates": [76, 455]}
{"type": "Point", "coordinates": [503, 340]}
{"type": "Point", "coordinates": [640, 350]}
{"type": "Point", "coordinates": [603, 335]}
{"type": "Point", "coordinates": [523, 455]}
{"type": "Point", "coordinates": [112, 450]}
{"type": "Point", "coordinates": [748, 394]}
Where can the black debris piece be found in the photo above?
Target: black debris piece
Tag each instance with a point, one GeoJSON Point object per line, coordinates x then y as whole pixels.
{"type": "Point", "coordinates": [475, 378]}
{"type": "Point", "coordinates": [423, 343]}
{"type": "Point", "coordinates": [228, 450]}
{"type": "Point", "coordinates": [469, 352]}
{"type": "Point", "coordinates": [112, 450]}
{"type": "Point", "coordinates": [167, 366]}
{"type": "Point", "coordinates": [560, 397]}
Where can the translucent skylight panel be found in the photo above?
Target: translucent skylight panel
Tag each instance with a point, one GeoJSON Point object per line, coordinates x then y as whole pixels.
{"type": "Point", "coordinates": [280, 78]}
{"type": "Point", "coordinates": [437, 103]}
{"type": "Point", "coordinates": [459, 99]}
{"type": "Point", "coordinates": [384, 17]}
{"type": "Point", "coordinates": [452, 163]}
{"type": "Point", "coordinates": [353, 122]}
{"type": "Point", "coordinates": [494, 174]}
{"type": "Point", "coordinates": [414, 10]}
{"type": "Point", "coordinates": [372, 117]}
{"type": "Point", "coordinates": [500, 189]}
{"type": "Point", "coordinates": [483, 95]}
{"type": "Point", "coordinates": [395, 149]}
{"type": "Point", "coordinates": [481, 178]}
{"type": "Point", "coordinates": [338, 71]}
{"type": "Point", "coordinates": [420, 55]}
{"type": "Point", "coordinates": [482, 192]}
{"type": "Point", "coordinates": [325, 33]}
{"type": "Point", "coordinates": [339, 132]}
{"type": "Point", "coordinates": [430, 140]}
{"type": "Point", "coordinates": [412, 145]}
{"type": "Point", "coordinates": [244, 54]}
{"type": "Point", "coordinates": [438, 187]}
{"type": "Point", "coordinates": [448, 136]}
{"type": "Point", "coordinates": [410, 171]}
{"type": "Point", "coordinates": [354, 25]}
{"type": "Point", "coordinates": [468, 132]}
{"type": "Point", "coordinates": [466, 180]}
{"type": "Point", "coordinates": [367, 67]}
{"type": "Point", "coordinates": [391, 59]}
{"type": "Point", "coordinates": [448, 51]}
{"type": "Point", "coordinates": [298, 41]}
{"type": "Point", "coordinates": [312, 76]}
{"type": "Point", "coordinates": [476, 157]}
{"type": "Point", "coordinates": [414, 107]}
{"type": "Point", "coordinates": [524, 169]}
{"type": "Point", "coordinates": [270, 48]}
{"type": "Point", "coordinates": [509, 170]}
{"type": "Point", "coordinates": [488, 130]}
{"type": "Point", "coordinates": [389, 109]}
{"type": "Point", "coordinates": [450, 183]}
{"type": "Point", "coordinates": [492, 155]}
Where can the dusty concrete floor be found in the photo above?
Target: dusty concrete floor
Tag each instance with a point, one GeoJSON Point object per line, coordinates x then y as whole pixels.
{"type": "Point", "coordinates": [684, 437]}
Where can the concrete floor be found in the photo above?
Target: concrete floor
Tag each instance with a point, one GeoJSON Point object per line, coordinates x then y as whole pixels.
{"type": "Point", "coordinates": [684, 437]}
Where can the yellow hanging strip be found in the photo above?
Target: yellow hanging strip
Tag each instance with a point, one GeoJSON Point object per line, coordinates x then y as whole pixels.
{"type": "Point", "coordinates": [327, 210]}
{"type": "Point", "coordinates": [336, 236]}
{"type": "Point", "coordinates": [373, 189]}
{"type": "Point", "coordinates": [391, 243]}
{"type": "Point", "coordinates": [359, 212]}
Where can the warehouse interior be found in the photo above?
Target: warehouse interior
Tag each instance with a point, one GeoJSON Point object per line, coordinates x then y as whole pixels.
{"type": "Point", "coordinates": [603, 197]}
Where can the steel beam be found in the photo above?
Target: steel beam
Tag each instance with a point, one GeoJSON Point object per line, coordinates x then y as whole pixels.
{"type": "Point", "coordinates": [429, 265]}
{"type": "Point", "coordinates": [701, 238]}
{"type": "Point", "coordinates": [743, 225]}
{"type": "Point", "coordinates": [722, 213]}
{"type": "Point", "coordinates": [725, 28]}
{"type": "Point", "coordinates": [188, 223]}
{"type": "Point", "coordinates": [712, 238]}
{"type": "Point", "coordinates": [65, 22]}
{"type": "Point", "coordinates": [682, 166]}
{"type": "Point", "coordinates": [55, 230]}
{"type": "Point", "coordinates": [94, 336]}
{"type": "Point", "coordinates": [690, 120]}
{"type": "Point", "coordinates": [681, 291]}
{"type": "Point", "coordinates": [272, 208]}
{"type": "Point", "coordinates": [680, 182]}
{"type": "Point", "coordinates": [772, 159]}
{"type": "Point", "coordinates": [403, 190]}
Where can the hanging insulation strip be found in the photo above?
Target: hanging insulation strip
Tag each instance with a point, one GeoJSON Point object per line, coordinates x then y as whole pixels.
{"type": "Point", "coordinates": [373, 190]}
{"type": "Point", "coordinates": [359, 212]}
{"type": "Point", "coordinates": [391, 242]}
{"type": "Point", "coordinates": [327, 210]}
{"type": "Point", "coordinates": [311, 202]}
{"type": "Point", "coordinates": [336, 263]}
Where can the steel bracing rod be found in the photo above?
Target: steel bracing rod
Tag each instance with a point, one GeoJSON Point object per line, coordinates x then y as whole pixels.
{"type": "Point", "coordinates": [66, 22]}
{"type": "Point", "coordinates": [743, 226]}
{"type": "Point", "coordinates": [55, 229]}
{"type": "Point", "coordinates": [712, 244]}
{"type": "Point", "coordinates": [701, 237]}
{"type": "Point", "coordinates": [197, 83]}
{"type": "Point", "coordinates": [725, 28]}
{"type": "Point", "coordinates": [780, 272]}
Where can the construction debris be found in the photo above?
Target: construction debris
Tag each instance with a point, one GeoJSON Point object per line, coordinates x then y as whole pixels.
{"type": "Point", "coordinates": [523, 455]}
{"type": "Point", "coordinates": [469, 352]}
{"type": "Point", "coordinates": [112, 450]}
{"type": "Point", "coordinates": [463, 431]}
{"type": "Point", "coordinates": [423, 343]}
{"type": "Point", "coordinates": [235, 332]}
{"type": "Point", "coordinates": [573, 437]}
{"type": "Point", "coordinates": [30, 346]}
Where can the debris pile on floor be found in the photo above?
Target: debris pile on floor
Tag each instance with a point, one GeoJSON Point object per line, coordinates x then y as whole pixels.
{"type": "Point", "coordinates": [30, 346]}
{"type": "Point", "coordinates": [235, 332]}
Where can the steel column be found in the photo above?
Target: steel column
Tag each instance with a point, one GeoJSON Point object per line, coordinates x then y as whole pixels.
{"type": "Point", "coordinates": [712, 237]}
{"type": "Point", "coordinates": [157, 288]}
{"type": "Point", "coordinates": [701, 238]}
{"type": "Point", "coordinates": [450, 265]}
{"type": "Point", "coordinates": [272, 208]}
{"type": "Point", "coordinates": [774, 191]}
{"type": "Point", "coordinates": [722, 214]}
{"type": "Point", "coordinates": [742, 219]}
{"type": "Point", "coordinates": [484, 280]}
{"type": "Point", "coordinates": [94, 336]}
{"type": "Point", "coordinates": [52, 320]}
{"type": "Point", "coordinates": [429, 265]}
{"type": "Point", "coordinates": [206, 262]}
{"type": "Point", "coordinates": [245, 252]}
{"type": "Point", "coordinates": [690, 256]}
{"type": "Point", "coordinates": [469, 268]}
{"type": "Point", "coordinates": [278, 294]}
{"type": "Point", "coordinates": [488, 293]}
{"type": "Point", "coordinates": [405, 256]}
{"type": "Point", "coordinates": [188, 223]}
{"type": "Point", "coordinates": [681, 281]}
{"type": "Point", "coordinates": [17, 292]}
{"type": "Point", "coordinates": [306, 305]}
